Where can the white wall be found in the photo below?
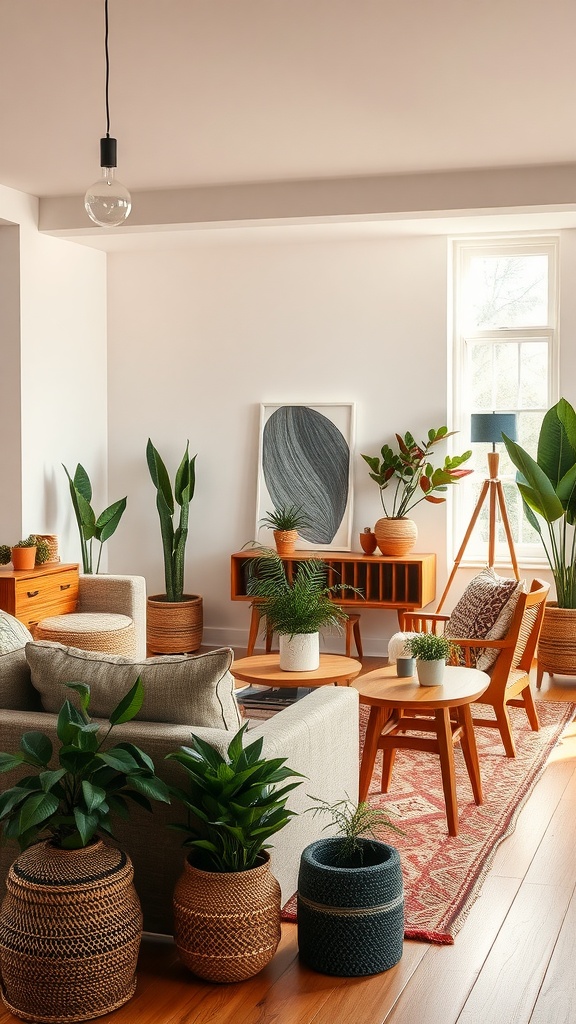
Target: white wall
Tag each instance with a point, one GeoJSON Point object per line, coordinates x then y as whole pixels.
{"type": "Point", "coordinates": [57, 394]}
{"type": "Point", "coordinates": [198, 338]}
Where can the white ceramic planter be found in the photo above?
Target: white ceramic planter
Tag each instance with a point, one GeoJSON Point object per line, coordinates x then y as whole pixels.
{"type": "Point", "coordinates": [300, 653]}
{"type": "Point", "coordinates": [430, 673]}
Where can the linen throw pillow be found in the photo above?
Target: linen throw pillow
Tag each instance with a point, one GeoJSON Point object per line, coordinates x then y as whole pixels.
{"type": "Point", "coordinates": [181, 690]}
{"type": "Point", "coordinates": [13, 634]}
{"type": "Point", "coordinates": [484, 612]}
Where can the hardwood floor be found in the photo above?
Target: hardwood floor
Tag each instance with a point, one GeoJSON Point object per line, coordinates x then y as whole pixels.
{"type": "Point", "coordinates": [512, 962]}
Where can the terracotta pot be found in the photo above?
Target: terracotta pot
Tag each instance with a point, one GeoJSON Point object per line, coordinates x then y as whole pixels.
{"type": "Point", "coordinates": [24, 558]}
{"type": "Point", "coordinates": [368, 542]}
{"type": "Point", "coordinates": [227, 924]}
{"type": "Point", "coordinates": [174, 627]}
{"type": "Point", "coordinates": [300, 652]}
{"type": "Point", "coordinates": [285, 541]}
{"type": "Point", "coordinates": [70, 930]}
{"type": "Point", "coordinates": [396, 537]}
{"type": "Point", "coordinates": [557, 643]}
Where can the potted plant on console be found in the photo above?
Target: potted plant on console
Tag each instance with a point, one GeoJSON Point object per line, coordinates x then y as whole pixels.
{"type": "Point", "coordinates": [26, 554]}
{"type": "Point", "coordinates": [174, 621]}
{"type": "Point", "coordinates": [70, 924]}
{"type": "Point", "coordinates": [285, 521]}
{"type": "Point", "coordinates": [297, 608]}
{"type": "Point", "coordinates": [350, 894]}
{"type": "Point", "coordinates": [413, 478]}
{"type": "Point", "coordinates": [227, 902]}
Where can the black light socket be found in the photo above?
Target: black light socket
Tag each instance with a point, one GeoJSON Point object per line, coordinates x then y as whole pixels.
{"type": "Point", "coordinates": [108, 152]}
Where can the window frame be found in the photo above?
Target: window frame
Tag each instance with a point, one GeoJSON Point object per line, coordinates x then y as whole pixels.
{"type": "Point", "coordinates": [463, 250]}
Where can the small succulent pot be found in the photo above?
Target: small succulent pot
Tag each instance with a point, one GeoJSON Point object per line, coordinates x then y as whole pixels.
{"type": "Point", "coordinates": [23, 558]}
{"type": "Point", "coordinates": [430, 673]}
{"type": "Point", "coordinates": [405, 667]}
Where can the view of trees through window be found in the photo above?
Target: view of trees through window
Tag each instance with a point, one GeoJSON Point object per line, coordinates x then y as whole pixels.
{"type": "Point", "coordinates": [504, 357]}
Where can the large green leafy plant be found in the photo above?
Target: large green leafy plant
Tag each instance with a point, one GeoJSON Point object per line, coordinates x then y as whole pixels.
{"type": "Point", "coordinates": [301, 605]}
{"type": "Point", "coordinates": [411, 473]}
{"type": "Point", "coordinates": [74, 802]}
{"type": "Point", "coordinates": [233, 804]}
{"type": "Point", "coordinates": [173, 539]}
{"type": "Point", "coordinates": [548, 488]}
{"type": "Point", "coordinates": [90, 526]}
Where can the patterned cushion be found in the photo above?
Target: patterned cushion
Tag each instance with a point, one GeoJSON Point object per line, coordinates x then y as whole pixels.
{"type": "Point", "coordinates": [13, 634]}
{"type": "Point", "coordinates": [484, 612]}
{"type": "Point", "coordinates": [182, 690]}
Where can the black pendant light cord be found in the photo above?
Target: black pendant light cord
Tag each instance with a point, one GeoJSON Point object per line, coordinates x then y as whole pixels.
{"type": "Point", "coordinates": [107, 57]}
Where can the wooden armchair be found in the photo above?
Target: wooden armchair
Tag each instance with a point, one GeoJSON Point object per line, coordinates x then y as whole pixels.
{"type": "Point", "coordinates": [509, 676]}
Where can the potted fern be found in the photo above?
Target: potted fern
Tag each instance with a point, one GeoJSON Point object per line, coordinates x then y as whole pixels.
{"type": "Point", "coordinates": [175, 619]}
{"type": "Point", "coordinates": [350, 894]}
{"type": "Point", "coordinates": [227, 902]}
{"type": "Point", "coordinates": [297, 608]}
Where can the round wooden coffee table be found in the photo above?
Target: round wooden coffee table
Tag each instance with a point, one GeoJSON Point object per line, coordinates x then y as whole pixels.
{"type": "Point", "coordinates": [443, 711]}
{"type": "Point", "coordinates": [264, 670]}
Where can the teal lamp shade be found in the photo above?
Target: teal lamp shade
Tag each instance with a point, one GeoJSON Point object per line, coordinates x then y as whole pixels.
{"type": "Point", "coordinates": [488, 427]}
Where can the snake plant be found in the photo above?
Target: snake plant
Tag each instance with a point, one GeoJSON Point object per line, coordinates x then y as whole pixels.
{"type": "Point", "coordinates": [173, 540]}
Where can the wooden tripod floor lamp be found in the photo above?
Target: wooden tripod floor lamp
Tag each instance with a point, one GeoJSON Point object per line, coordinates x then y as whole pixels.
{"type": "Point", "coordinates": [488, 427]}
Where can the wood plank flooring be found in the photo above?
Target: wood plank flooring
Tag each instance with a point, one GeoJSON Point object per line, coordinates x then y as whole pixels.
{"type": "Point", "coordinates": [512, 962]}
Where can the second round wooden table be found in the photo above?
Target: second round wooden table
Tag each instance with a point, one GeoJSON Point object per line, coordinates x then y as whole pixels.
{"type": "Point", "coordinates": [264, 670]}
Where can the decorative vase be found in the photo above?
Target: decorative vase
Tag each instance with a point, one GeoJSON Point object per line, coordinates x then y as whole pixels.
{"type": "Point", "coordinates": [174, 627]}
{"type": "Point", "coordinates": [405, 667]}
{"type": "Point", "coordinates": [52, 542]}
{"type": "Point", "coordinates": [300, 652]}
{"type": "Point", "coordinates": [70, 930]}
{"type": "Point", "coordinates": [23, 558]}
{"type": "Point", "coordinates": [285, 541]}
{"type": "Point", "coordinates": [557, 643]}
{"type": "Point", "coordinates": [227, 924]}
{"type": "Point", "coordinates": [430, 673]}
{"type": "Point", "coordinates": [368, 541]}
{"type": "Point", "coordinates": [396, 537]}
{"type": "Point", "coordinates": [350, 919]}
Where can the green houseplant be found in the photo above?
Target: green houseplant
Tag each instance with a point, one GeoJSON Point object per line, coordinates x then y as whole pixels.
{"type": "Point", "coordinates": [90, 526]}
{"type": "Point", "coordinates": [413, 478]}
{"type": "Point", "coordinates": [233, 806]}
{"type": "Point", "coordinates": [431, 651]}
{"type": "Point", "coordinates": [40, 555]}
{"type": "Point", "coordinates": [69, 895]}
{"type": "Point", "coordinates": [547, 485]}
{"type": "Point", "coordinates": [174, 618]}
{"type": "Point", "coordinates": [285, 521]}
{"type": "Point", "coordinates": [296, 607]}
{"type": "Point", "coordinates": [350, 894]}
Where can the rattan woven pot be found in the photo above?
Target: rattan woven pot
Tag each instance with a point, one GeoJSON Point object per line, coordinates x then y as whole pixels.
{"type": "Point", "coordinates": [285, 541]}
{"type": "Point", "coordinates": [350, 919]}
{"type": "Point", "coordinates": [174, 627]}
{"type": "Point", "coordinates": [70, 930]}
{"type": "Point", "coordinates": [396, 537]}
{"type": "Point", "coordinates": [227, 925]}
{"type": "Point", "coordinates": [557, 643]}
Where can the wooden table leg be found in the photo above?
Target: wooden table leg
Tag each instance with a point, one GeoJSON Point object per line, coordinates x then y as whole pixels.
{"type": "Point", "coordinates": [446, 751]}
{"type": "Point", "coordinates": [469, 749]}
{"type": "Point", "coordinates": [376, 722]}
{"type": "Point", "coordinates": [253, 633]}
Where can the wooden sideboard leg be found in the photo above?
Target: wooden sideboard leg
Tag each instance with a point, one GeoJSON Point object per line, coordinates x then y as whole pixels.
{"type": "Point", "coordinates": [253, 632]}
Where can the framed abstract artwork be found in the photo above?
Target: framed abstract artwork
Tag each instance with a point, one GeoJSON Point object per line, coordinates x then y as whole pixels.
{"type": "Point", "coordinates": [305, 459]}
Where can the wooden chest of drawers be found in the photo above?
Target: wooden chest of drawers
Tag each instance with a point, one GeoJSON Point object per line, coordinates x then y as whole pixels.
{"type": "Point", "coordinates": [34, 594]}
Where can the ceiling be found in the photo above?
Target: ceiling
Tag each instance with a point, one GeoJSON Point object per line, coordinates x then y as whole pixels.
{"type": "Point", "coordinates": [229, 92]}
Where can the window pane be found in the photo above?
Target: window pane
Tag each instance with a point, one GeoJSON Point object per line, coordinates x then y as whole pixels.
{"type": "Point", "coordinates": [506, 376]}
{"type": "Point", "coordinates": [534, 374]}
{"type": "Point", "coordinates": [507, 291]}
{"type": "Point", "coordinates": [481, 377]}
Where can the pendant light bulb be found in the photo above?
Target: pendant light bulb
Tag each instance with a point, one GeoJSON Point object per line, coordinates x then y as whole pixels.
{"type": "Point", "coordinates": [107, 202]}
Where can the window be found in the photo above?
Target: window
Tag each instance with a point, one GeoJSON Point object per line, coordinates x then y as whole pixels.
{"type": "Point", "coordinates": [505, 360]}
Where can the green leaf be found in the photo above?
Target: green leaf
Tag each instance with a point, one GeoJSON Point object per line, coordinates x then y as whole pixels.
{"type": "Point", "coordinates": [87, 517]}
{"type": "Point", "coordinates": [36, 809]}
{"type": "Point", "coordinates": [138, 755]}
{"type": "Point", "coordinates": [82, 482]}
{"type": "Point", "coordinates": [151, 786]}
{"type": "Point", "coordinates": [118, 759]}
{"type": "Point", "coordinates": [11, 799]}
{"type": "Point", "coordinates": [10, 761]}
{"type": "Point", "coordinates": [37, 747]}
{"type": "Point", "coordinates": [83, 690]}
{"type": "Point", "coordinates": [556, 454]}
{"type": "Point", "coordinates": [160, 477]}
{"type": "Point", "coordinates": [86, 824]}
{"type": "Point", "coordinates": [49, 779]}
{"type": "Point", "coordinates": [94, 796]}
{"type": "Point", "coordinates": [129, 706]}
{"type": "Point", "coordinates": [75, 760]}
{"type": "Point", "coordinates": [108, 520]}
{"type": "Point", "coordinates": [69, 721]}
{"type": "Point", "coordinates": [538, 492]}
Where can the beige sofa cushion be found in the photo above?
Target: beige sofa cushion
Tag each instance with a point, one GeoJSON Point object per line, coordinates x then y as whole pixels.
{"type": "Point", "coordinates": [13, 633]}
{"type": "Point", "coordinates": [183, 690]}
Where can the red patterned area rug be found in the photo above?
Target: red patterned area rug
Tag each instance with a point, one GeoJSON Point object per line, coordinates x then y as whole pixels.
{"type": "Point", "coordinates": [443, 875]}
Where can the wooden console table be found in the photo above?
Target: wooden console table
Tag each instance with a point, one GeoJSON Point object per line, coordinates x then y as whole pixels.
{"type": "Point", "coordinates": [403, 584]}
{"type": "Point", "coordinates": [33, 594]}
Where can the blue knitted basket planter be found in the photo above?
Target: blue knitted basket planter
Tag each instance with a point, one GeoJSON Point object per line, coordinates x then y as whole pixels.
{"type": "Point", "coordinates": [350, 919]}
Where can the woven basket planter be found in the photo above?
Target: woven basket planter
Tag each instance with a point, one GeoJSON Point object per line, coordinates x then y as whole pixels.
{"type": "Point", "coordinates": [285, 541]}
{"type": "Point", "coordinates": [396, 537]}
{"type": "Point", "coordinates": [350, 920]}
{"type": "Point", "coordinates": [174, 627]}
{"type": "Point", "coordinates": [70, 930]}
{"type": "Point", "coordinates": [227, 925]}
{"type": "Point", "coordinates": [557, 643]}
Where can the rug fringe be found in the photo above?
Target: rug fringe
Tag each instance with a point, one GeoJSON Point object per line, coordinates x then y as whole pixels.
{"type": "Point", "coordinates": [440, 938]}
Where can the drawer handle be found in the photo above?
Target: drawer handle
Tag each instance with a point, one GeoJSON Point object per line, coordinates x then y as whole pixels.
{"type": "Point", "coordinates": [65, 586]}
{"type": "Point", "coordinates": [33, 593]}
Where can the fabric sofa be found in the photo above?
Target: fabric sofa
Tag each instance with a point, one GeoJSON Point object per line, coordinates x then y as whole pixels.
{"type": "Point", "coordinates": [318, 736]}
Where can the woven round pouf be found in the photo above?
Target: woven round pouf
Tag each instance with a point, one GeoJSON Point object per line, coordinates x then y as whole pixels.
{"type": "Point", "coordinates": [227, 924]}
{"type": "Point", "coordinates": [91, 631]}
{"type": "Point", "coordinates": [70, 929]}
{"type": "Point", "coordinates": [350, 919]}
